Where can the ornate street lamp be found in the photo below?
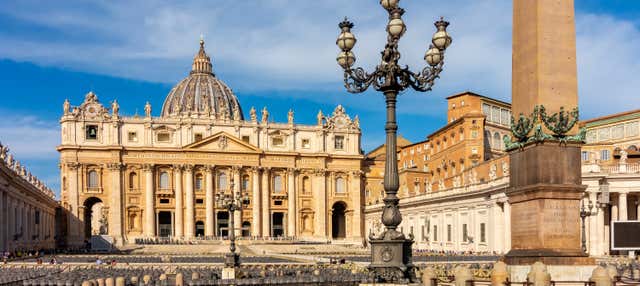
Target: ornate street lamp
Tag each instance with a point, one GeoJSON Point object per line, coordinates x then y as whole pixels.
{"type": "Point", "coordinates": [584, 213]}
{"type": "Point", "coordinates": [232, 202]}
{"type": "Point", "coordinates": [391, 250]}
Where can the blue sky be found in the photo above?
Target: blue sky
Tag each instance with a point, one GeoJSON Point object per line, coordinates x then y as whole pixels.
{"type": "Point", "coordinates": [279, 54]}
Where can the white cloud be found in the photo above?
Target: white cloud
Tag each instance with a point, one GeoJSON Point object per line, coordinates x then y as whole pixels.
{"type": "Point", "coordinates": [28, 137]}
{"type": "Point", "coordinates": [289, 45]}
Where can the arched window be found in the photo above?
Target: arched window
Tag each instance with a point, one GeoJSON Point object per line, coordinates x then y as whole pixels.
{"type": "Point", "coordinates": [222, 181]}
{"type": "Point", "coordinates": [164, 180]}
{"type": "Point", "coordinates": [277, 184]}
{"type": "Point", "coordinates": [306, 185]}
{"type": "Point", "coordinates": [340, 185]}
{"type": "Point", "coordinates": [199, 184]}
{"type": "Point", "coordinates": [133, 180]}
{"type": "Point", "coordinates": [245, 182]}
{"type": "Point", "coordinates": [496, 141]}
{"type": "Point", "coordinates": [92, 182]}
{"type": "Point", "coordinates": [632, 148]}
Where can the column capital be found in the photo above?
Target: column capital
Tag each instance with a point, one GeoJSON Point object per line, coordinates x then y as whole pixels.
{"type": "Point", "coordinates": [236, 168]}
{"type": "Point", "coordinates": [293, 170]}
{"type": "Point", "coordinates": [73, 165]}
{"type": "Point", "coordinates": [147, 167]}
{"type": "Point", "coordinates": [320, 172]}
{"type": "Point", "coordinates": [188, 168]}
{"type": "Point", "coordinates": [255, 169]}
{"type": "Point", "coordinates": [623, 193]}
{"type": "Point", "coordinates": [209, 168]}
{"type": "Point", "coordinates": [177, 167]}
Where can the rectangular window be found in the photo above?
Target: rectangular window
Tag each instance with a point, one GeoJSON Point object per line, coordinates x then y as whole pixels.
{"type": "Point", "coordinates": [486, 110]}
{"type": "Point", "coordinates": [474, 134]}
{"type": "Point", "coordinates": [37, 217]}
{"type": "Point", "coordinates": [245, 138]}
{"type": "Point", "coordinates": [277, 203]}
{"type": "Point", "coordinates": [435, 233]}
{"type": "Point", "coordinates": [339, 143]}
{"type": "Point", "coordinates": [465, 238]}
{"type": "Point", "coordinates": [277, 141]}
{"type": "Point", "coordinates": [164, 201]}
{"type": "Point", "coordinates": [199, 183]}
{"type": "Point", "coordinates": [505, 118]}
{"type": "Point", "coordinates": [132, 136]}
{"type": "Point", "coordinates": [483, 233]}
{"type": "Point", "coordinates": [604, 155]}
{"type": "Point", "coordinates": [197, 137]}
{"type": "Point", "coordinates": [449, 232]}
{"type": "Point", "coordinates": [92, 132]}
{"type": "Point", "coordinates": [164, 137]}
{"type": "Point", "coordinates": [305, 143]}
{"type": "Point", "coordinates": [495, 114]}
{"type": "Point", "coordinates": [585, 155]}
{"type": "Point", "coordinates": [199, 201]}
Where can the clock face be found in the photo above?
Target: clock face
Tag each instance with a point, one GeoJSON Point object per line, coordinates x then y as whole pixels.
{"type": "Point", "coordinates": [340, 122]}
{"type": "Point", "coordinates": [92, 110]}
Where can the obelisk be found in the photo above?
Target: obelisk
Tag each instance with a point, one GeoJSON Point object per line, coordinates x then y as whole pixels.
{"type": "Point", "coordinates": [545, 182]}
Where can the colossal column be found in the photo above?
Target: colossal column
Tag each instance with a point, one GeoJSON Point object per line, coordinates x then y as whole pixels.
{"type": "Point", "coordinates": [4, 226]}
{"type": "Point", "coordinates": [356, 194]}
{"type": "Point", "coordinates": [507, 226]}
{"type": "Point", "coordinates": [320, 210]}
{"type": "Point", "coordinates": [622, 206]}
{"type": "Point", "coordinates": [189, 230]}
{"type": "Point", "coordinates": [73, 217]}
{"type": "Point", "coordinates": [266, 203]}
{"type": "Point", "coordinates": [255, 201]}
{"type": "Point", "coordinates": [149, 202]}
{"type": "Point", "coordinates": [545, 186]}
{"type": "Point", "coordinates": [209, 225]}
{"type": "Point", "coordinates": [291, 200]}
{"type": "Point", "coordinates": [179, 218]}
{"type": "Point", "coordinates": [115, 205]}
{"type": "Point", "coordinates": [237, 215]}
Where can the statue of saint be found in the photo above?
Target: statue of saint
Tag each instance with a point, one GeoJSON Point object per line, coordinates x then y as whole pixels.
{"type": "Point", "coordinates": [252, 113]}
{"type": "Point", "coordinates": [236, 113]}
{"type": "Point", "coordinates": [265, 115]}
{"type": "Point", "coordinates": [290, 116]}
{"type": "Point", "coordinates": [623, 157]}
{"type": "Point", "coordinates": [115, 108]}
{"type": "Point", "coordinates": [66, 107]}
{"type": "Point", "coordinates": [3, 151]}
{"type": "Point", "coordinates": [147, 110]}
{"type": "Point", "coordinates": [320, 116]}
{"type": "Point", "coordinates": [356, 121]}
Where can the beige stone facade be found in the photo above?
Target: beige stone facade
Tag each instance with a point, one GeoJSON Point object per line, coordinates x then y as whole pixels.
{"type": "Point", "coordinates": [159, 176]}
{"type": "Point", "coordinates": [473, 213]}
{"type": "Point", "coordinates": [27, 208]}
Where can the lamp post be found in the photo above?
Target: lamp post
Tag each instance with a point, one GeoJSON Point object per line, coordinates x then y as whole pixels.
{"type": "Point", "coordinates": [391, 250]}
{"type": "Point", "coordinates": [232, 202]}
{"type": "Point", "coordinates": [584, 213]}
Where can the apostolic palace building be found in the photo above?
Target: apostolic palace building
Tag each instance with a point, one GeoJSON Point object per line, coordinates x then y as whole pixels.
{"type": "Point", "coordinates": [140, 177]}
{"type": "Point", "coordinates": [453, 184]}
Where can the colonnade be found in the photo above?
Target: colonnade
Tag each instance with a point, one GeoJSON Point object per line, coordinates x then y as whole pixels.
{"type": "Point", "coordinates": [25, 223]}
{"type": "Point", "coordinates": [598, 224]}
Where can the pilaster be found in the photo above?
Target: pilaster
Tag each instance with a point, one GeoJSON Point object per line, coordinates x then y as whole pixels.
{"type": "Point", "coordinates": [189, 213]}
{"type": "Point", "coordinates": [149, 201]}
{"type": "Point", "coordinates": [266, 202]}
{"type": "Point", "coordinates": [179, 206]}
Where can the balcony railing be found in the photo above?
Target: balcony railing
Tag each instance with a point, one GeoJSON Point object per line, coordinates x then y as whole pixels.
{"type": "Point", "coordinates": [630, 168]}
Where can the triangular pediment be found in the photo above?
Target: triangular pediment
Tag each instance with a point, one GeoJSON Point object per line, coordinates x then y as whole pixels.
{"type": "Point", "coordinates": [224, 142]}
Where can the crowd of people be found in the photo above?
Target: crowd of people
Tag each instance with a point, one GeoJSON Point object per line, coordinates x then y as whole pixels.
{"type": "Point", "coordinates": [431, 252]}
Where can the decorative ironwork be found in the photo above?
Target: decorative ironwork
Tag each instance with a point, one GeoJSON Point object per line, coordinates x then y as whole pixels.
{"type": "Point", "coordinates": [391, 250]}
{"type": "Point", "coordinates": [232, 202]}
{"type": "Point", "coordinates": [558, 123]}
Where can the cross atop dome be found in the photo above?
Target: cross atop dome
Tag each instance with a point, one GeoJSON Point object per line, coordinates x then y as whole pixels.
{"type": "Point", "coordinates": [201, 62]}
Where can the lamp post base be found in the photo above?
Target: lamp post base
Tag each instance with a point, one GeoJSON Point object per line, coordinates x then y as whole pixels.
{"type": "Point", "coordinates": [232, 260]}
{"type": "Point", "coordinates": [391, 260]}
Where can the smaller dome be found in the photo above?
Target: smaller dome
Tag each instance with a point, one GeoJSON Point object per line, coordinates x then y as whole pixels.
{"type": "Point", "coordinates": [202, 93]}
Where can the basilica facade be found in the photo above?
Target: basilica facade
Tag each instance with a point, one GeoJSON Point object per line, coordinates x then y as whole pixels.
{"type": "Point", "coordinates": [128, 177]}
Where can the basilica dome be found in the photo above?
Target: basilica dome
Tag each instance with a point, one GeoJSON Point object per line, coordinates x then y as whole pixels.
{"type": "Point", "coordinates": [202, 94]}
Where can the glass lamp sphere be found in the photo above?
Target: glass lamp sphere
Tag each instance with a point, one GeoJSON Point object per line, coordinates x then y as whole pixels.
{"type": "Point", "coordinates": [441, 38]}
{"type": "Point", "coordinates": [433, 56]}
{"type": "Point", "coordinates": [346, 59]}
{"type": "Point", "coordinates": [346, 40]}
{"type": "Point", "coordinates": [389, 4]}
{"type": "Point", "coordinates": [396, 27]}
